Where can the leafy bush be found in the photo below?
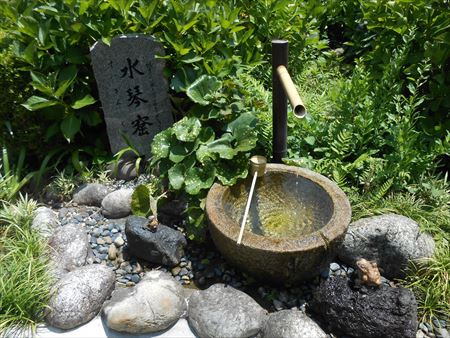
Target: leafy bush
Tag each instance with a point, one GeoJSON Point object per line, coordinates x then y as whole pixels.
{"type": "Point", "coordinates": [373, 29]}
{"type": "Point", "coordinates": [362, 137]}
{"type": "Point", "coordinates": [213, 142]}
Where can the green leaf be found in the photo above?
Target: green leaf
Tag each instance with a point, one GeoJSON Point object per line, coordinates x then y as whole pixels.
{"type": "Point", "coordinates": [161, 144]}
{"type": "Point", "coordinates": [228, 172]}
{"type": "Point", "coordinates": [246, 120]}
{"type": "Point", "coordinates": [203, 89]}
{"type": "Point", "coordinates": [41, 83]}
{"type": "Point", "coordinates": [245, 138]}
{"type": "Point", "coordinates": [176, 176]}
{"type": "Point", "coordinates": [37, 102]}
{"type": "Point", "coordinates": [140, 201]}
{"type": "Point", "coordinates": [311, 140]}
{"type": "Point", "coordinates": [197, 179]}
{"type": "Point", "coordinates": [91, 118]}
{"type": "Point", "coordinates": [183, 79]}
{"type": "Point", "coordinates": [179, 152]}
{"type": "Point", "coordinates": [85, 101]}
{"type": "Point", "coordinates": [65, 79]}
{"type": "Point", "coordinates": [187, 129]}
{"type": "Point", "coordinates": [222, 146]}
{"type": "Point", "coordinates": [70, 126]}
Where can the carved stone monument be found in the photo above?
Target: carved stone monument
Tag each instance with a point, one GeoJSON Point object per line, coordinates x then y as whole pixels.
{"type": "Point", "coordinates": [132, 89]}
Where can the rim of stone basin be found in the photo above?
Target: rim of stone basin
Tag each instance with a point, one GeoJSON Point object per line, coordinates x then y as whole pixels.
{"type": "Point", "coordinates": [334, 228]}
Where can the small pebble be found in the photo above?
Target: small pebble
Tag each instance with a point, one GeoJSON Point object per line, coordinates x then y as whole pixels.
{"type": "Point", "coordinates": [119, 241]}
{"type": "Point", "coordinates": [103, 249]}
{"type": "Point", "coordinates": [277, 304]}
{"type": "Point", "coordinates": [135, 278]}
{"type": "Point", "coordinates": [100, 241]}
{"type": "Point", "coordinates": [334, 266]}
{"type": "Point", "coordinates": [112, 252]}
{"type": "Point", "coordinates": [107, 240]}
{"type": "Point", "coordinates": [137, 268]}
{"type": "Point", "coordinates": [176, 270]}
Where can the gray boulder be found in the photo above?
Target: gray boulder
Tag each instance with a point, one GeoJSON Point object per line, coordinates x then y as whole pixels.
{"type": "Point", "coordinates": [222, 311]}
{"type": "Point", "coordinates": [163, 246]}
{"type": "Point", "coordinates": [45, 221]}
{"type": "Point", "coordinates": [390, 240]}
{"type": "Point", "coordinates": [117, 204]}
{"type": "Point", "coordinates": [125, 169]}
{"type": "Point", "coordinates": [69, 249]}
{"type": "Point", "coordinates": [79, 296]}
{"type": "Point", "coordinates": [367, 312]}
{"type": "Point", "coordinates": [154, 304]}
{"type": "Point", "coordinates": [91, 194]}
{"type": "Point", "coordinates": [291, 324]}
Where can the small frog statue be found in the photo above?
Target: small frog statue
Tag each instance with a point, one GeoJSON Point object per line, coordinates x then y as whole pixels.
{"type": "Point", "coordinates": [368, 273]}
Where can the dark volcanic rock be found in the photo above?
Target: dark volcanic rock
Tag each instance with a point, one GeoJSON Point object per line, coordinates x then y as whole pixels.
{"type": "Point", "coordinates": [163, 246]}
{"type": "Point", "coordinates": [365, 312]}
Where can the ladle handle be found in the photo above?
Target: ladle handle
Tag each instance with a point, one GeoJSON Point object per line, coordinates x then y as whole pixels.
{"type": "Point", "coordinates": [247, 207]}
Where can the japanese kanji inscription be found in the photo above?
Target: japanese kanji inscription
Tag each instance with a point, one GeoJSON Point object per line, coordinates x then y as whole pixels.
{"type": "Point", "coordinates": [132, 89]}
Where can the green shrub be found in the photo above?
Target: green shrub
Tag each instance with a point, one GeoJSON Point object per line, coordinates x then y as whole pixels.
{"type": "Point", "coordinates": [371, 30]}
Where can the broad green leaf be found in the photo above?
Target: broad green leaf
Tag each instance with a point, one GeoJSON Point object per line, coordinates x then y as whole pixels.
{"type": "Point", "coordinates": [161, 144]}
{"type": "Point", "coordinates": [187, 129]}
{"type": "Point", "coordinates": [202, 91]}
{"type": "Point", "coordinates": [222, 146]}
{"type": "Point", "coordinates": [245, 138]}
{"type": "Point", "coordinates": [204, 155]}
{"type": "Point", "coordinates": [85, 101]}
{"type": "Point", "coordinates": [28, 25]}
{"type": "Point", "coordinates": [183, 79]}
{"type": "Point", "coordinates": [206, 135]}
{"type": "Point", "coordinates": [37, 102]}
{"type": "Point", "coordinates": [197, 179]}
{"type": "Point", "coordinates": [176, 176]}
{"type": "Point", "coordinates": [179, 152]}
{"type": "Point", "coordinates": [246, 119]}
{"type": "Point", "coordinates": [140, 201]}
{"type": "Point", "coordinates": [70, 126]}
{"type": "Point", "coordinates": [91, 118]}
{"type": "Point", "coordinates": [228, 172]}
{"type": "Point", "coordinates": [146, 8]}
{"type": "Point", "coordinates": [65, 79]}
{"type": "Point", "coordinates": [41, 83]}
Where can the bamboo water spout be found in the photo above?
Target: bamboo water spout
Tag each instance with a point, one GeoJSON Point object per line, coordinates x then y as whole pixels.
{"type": "Point", "coordinates": [282, 89]}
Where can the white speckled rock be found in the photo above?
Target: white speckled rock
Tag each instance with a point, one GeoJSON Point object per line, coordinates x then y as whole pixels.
{"type": "Point", "coordinates": [91, 194]}
{"type": "Point", "coordinates": [290, 324]}
{"type": "Point", "coordinates": [153, 305]}
{"type": "Point", "coordinates": [79, 296]}
{"type": "Point", "coordinates": [390, 240]}
{"type": "Point", "coordinates": [117, 204]}
{"type": "Point", "coordinates": [45, 221]}
{"type": "Point", "coordinates": [70, 248]}
{"type": "Point", "coordinates": [224, 312]}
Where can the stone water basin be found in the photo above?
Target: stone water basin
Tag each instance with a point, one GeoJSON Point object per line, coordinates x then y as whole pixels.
{"type": "Point", "coordinates": [296, 224]}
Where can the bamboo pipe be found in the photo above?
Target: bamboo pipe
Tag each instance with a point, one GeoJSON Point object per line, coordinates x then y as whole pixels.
{"type": "Point", "coordinates": [291, 92]}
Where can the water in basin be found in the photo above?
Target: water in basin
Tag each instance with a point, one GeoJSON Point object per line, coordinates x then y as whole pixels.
{"type": "Point", "coordinates": [282, 205]}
